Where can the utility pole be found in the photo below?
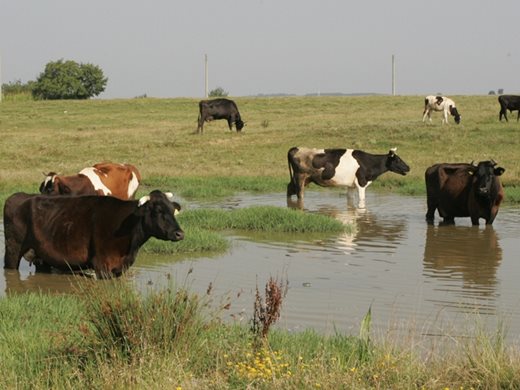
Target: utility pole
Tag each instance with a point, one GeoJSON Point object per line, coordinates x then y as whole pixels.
{"type": "Point", "coordinates": [1, 89]}
{"type": "Point", "coordinates": [393, 75]}
{"type": "Point", "coordinates": [206, 76]}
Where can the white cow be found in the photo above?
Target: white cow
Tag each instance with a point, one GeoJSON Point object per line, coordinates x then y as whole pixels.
{"type": "Point", "coordinates": [440, 103]}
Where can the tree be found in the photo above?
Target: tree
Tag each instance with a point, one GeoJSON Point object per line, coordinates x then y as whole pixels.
{"type": "Point", "coordinates": [69, 80]}
{"type": "Point", "coordinates": [218, 92]}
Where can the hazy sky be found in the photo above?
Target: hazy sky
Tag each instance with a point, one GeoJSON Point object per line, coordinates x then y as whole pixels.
{"type": "Point", "coordinates": [157, 47]}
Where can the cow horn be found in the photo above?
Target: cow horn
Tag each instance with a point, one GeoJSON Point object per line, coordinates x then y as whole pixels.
{"type": "Point", "coordinates": [394, 150]}
{"type": "Point", "coordinates": [169, 196]}
{"type": "Point", "coordinates": [143, 200]}
{"type": "Point", "coordinates": [493, 162]}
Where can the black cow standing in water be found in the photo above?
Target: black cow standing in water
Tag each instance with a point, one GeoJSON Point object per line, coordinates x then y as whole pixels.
{"type": "Point", "coordinates": [220, 108]}
{"type": "Point", "coordinates": [464, 190]}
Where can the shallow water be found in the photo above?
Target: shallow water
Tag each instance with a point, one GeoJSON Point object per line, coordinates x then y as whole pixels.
{"type": "Point", "coordinates": [427, 279]}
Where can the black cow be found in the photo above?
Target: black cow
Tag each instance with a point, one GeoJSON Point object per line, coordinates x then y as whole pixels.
{"type": "Point", "coordinates": [339, 167]}
{"type": "Point", "coordinates": [219, 109]}
{"type": "Point", "coordinates": [464, 190]}
{"type": "Point", "coordinates": [508, 102]}
{"type": "Point", "coordinates": [86, 232]}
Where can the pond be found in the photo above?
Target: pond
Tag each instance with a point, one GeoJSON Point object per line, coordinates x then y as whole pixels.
{"type": "Point", "coordinates": [430, 280]}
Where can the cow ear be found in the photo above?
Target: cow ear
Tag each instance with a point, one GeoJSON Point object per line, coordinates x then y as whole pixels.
{"type": "Point", "coordinates": [176, 208]}
{"type": "Point", "coordinates": [498, 171]}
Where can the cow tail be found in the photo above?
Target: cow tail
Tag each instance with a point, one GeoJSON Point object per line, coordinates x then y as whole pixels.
{"type": "Point", "coordinates": [290, 156]}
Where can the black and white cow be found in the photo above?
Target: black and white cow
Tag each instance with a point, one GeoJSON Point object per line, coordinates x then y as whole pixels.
{"type": "Point", "coordinates": [511, 103]}
{"type": "Point", "coordinates": [339, 167]}
{"type": "Point", "coordinates": [220, 108]}
{"type": "Point", "coordinates": [440, 103]}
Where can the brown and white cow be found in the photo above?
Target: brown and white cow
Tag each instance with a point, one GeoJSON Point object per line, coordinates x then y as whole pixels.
{"type": "Point", "coordinates": [443, 104]}
{"type": "Point", "coordinates": [464, 190]}
{"type": "Point", "coordinates": [102, 233]}
{"type": "Point", "coordinates": [339, 167]}
{"type": "Point", "coordinates": [118, 180]}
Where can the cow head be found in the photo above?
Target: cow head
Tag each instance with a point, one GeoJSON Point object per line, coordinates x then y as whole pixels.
{"type": "Point", "coordinates": [239, 124]}
{"type": "Point", "coordinates": [395, 164]}
{"type": "Point", "coordinates": [158, 212]}
{"type": "Point", "coordinates": [47, 186]}
{"type": "Point", "coordinates": [485, 175]}
{"type": "Point", "coordinates": [455, 114]}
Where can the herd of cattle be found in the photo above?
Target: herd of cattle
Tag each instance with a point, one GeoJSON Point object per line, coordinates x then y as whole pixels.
{"type": "Point", "coordinates": [91, 221]}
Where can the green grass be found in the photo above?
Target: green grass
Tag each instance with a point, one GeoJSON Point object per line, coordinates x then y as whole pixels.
{"type": "Point", "coordinates": [201, 225]}
{"type": "Point", "coordinates": [107, 335]}
{"type": "Point", "coordinates": [157, 136]}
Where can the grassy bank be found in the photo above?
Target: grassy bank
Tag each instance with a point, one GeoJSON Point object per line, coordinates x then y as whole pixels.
{"type": "Point", "coordinates": [157, 136]}
{"type": "Point", "coordinates": [202, 227]}
{"type": "Point", "coordinates": [109, 336]}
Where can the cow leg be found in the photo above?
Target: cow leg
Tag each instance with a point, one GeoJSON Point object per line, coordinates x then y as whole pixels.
{"type": "Point", "coordinates": [361, 196]}
{"type": "Point", "coordinates": [448, 221]}
{"type": "Point", "coordinates": [230, 123]}
{"type": "Point", "coordinates": [13, 253]}
{"type": "Point", "coordinates": [432, 204]}
{"type": "Point", "coordinates": [518, 117]}
{"type": "Point", "coordinates": [426, 114]}
{"type": "Point", "coordinates": [200, 125]}
{"type": "Point", "coordinates": [504, 114]}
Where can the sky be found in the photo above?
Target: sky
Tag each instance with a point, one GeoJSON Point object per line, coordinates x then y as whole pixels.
{"type": "Point", "coordinates": [157, 47]}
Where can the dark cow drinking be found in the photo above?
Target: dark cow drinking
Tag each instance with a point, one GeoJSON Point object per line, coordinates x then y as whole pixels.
{"type": "Point", "coordinates": [86, 232]}
{"type": "Point", "coordinates": [219, 109]}
{"type": "Point", "coordinates": [339, 167]}
{"type": "Point", "coordinates": [464, 190]}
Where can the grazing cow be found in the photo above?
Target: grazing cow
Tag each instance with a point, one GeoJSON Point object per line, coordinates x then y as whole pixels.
{"type": "Point", "coordinates": [339, 167]}
{"type": "Point", "coordinates": [440, 103]}
{"type": "Point", "coordinates": [118, 180]}
{"type": "Point", "coordinates": [511, 103]}
{"type": "Point", "coordinates": [102, 233]}
{"type": "Point", "coordinates": [464, 190]}
{"type": "Point", "coordinates": [219, 109]}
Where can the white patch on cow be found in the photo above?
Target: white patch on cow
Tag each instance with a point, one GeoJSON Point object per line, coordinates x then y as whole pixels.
{"type": "Point", "coordinates": [48, 179]}
{"type": "Point", "coordinates": [143, 200]}
{"type": "Point", "coordinates": [346, 176]}
{"type": "Point", "coordinates": [133, 185]}
{"type": "Point", "coordinates": [346, 170]}
{"type": "Point", "coordinates": [90, 172]}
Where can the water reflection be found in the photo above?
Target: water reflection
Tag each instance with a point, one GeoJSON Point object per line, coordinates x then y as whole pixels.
{"type": "Point", "coordinates": [370, 230]}
{"type": "Point", "coordinates": [469, 254]}
{"type": "Point", "coordinates": [20, 282]}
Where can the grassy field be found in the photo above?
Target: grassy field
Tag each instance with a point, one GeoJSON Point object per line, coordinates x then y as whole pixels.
{"type": "Point", "coordinates": [109, 336]}
{"type": "Point", "coordinates": [157, 135]}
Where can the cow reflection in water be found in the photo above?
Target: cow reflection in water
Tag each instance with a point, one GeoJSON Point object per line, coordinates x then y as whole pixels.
{"type": "Point", "coordinates": [36, 282]}
{"type": "Point", "coordinates": [469, 253]}
{"type": "Point", "coordinates": [367, 227]}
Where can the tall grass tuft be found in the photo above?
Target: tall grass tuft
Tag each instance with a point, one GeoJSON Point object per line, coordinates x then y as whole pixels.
{"type": "Point", "coordinates": [128, 325]}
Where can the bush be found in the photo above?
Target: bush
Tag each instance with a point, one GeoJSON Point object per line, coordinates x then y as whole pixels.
{"type": "Point", "coordinates": [69, 80]}
{"type": "Point", "coordinates": [218, 92]}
